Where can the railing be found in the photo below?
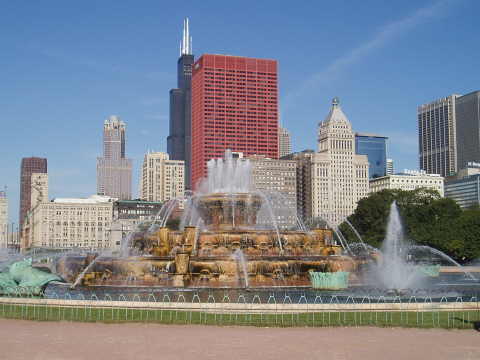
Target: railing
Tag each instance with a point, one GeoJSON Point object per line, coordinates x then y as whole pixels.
{"type": "Point", "coordinates": [244, 308]}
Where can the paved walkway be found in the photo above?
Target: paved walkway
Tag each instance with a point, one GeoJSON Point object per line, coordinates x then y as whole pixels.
{"type": "Point", "coordinates": [61, 340]}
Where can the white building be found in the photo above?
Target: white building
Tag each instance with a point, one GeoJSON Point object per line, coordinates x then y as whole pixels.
{"type": "Point", "coordinates": [161, 179]}
{"type": "Point", "coordinates": [69, 223]}
{"type": "Point", "coordinates": [390, 167]}
{"type": "Point", "coordinates": [284, 142]}
{"type": "Point", "coordinates": [339, 177]}
{"type": "Point", "coordinates": [408, 180]}
{"type": "Point", "coordinates": [3, 219]}
{"type": "Point", "coordinates": [39, 189]}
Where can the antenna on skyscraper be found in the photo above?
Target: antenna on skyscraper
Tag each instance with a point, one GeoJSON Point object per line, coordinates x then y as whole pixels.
{"type": "Point", "coordinates": [186, 44]}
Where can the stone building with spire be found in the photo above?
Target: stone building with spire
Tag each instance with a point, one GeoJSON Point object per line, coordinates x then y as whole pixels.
{"type": "Point", "coordinates": [338, 176]}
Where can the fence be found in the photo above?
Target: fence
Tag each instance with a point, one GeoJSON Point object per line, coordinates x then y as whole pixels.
{"type": "Point", "coordinates": [271, 309]}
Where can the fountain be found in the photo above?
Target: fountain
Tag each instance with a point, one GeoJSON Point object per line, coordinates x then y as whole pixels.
{"type": "Point", "coordinates": [232, 236]}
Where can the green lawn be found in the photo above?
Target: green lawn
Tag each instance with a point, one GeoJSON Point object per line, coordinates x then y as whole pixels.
{"type": "Point", "coordinates": [426, 319]}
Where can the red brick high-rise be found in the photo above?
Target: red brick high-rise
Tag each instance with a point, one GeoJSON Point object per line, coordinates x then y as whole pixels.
{"type": "Point", "coordinates": [29, 166]}
{"type": "Point", "coordinates": [234, 106]}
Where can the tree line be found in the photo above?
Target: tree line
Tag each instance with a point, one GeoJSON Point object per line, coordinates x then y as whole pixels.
{"type": "Point", "coordinates": [428, 220]}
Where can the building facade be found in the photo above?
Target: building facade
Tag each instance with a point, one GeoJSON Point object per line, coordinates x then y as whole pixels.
{"type": "Point", "coordinates": [409, 180]}
{"type": "Point", "coordinates": [28, 167]}
{"type": "Point", "coordinates": [467, 108]}
{"type": "Point", "coordinates": [70, 223]}
{"type": "Point", "coordinates": [390, 167]}
{"type": "Point", "coordinates": [465, 191]}
{"type": "Point", "coordinates": [127, 215]}
{"type": "Point", "coordinates": [375, 147]}
{"type": "Point", "coordinates": [437, 136]}
{"type": "Point", "coordinates": [162, 179]}
{"type": "Point", "coordinates": [339, 177]}
{"type": "Point", "coordinates": [179, 140]}
{"type": "Point", "coordinates": [39, 189]}
{"type": "Point", "coordinates": [114, 170]}
{"type": "Point", "coordinates": [3, 220]}
{"type": "Point", "coordinates": [234, 106]}
{"type": "Point", "coordinates": [279, 176]}
{"type": "Point", "coordinates": [284, 142]}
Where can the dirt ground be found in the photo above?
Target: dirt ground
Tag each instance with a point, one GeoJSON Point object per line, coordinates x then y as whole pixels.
{"type": "Point", "coordinates": [62, 340]}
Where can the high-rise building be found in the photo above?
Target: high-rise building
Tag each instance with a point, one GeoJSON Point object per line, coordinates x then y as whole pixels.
{"type": "Point", "coordinates": [339, 175]}
{"type": "Point", "coordinates": [467, 108]}
{"type": "Point", "coordinates": [28, 167]}
{"type": "Point", "coordinates": [304, 182]}
{"type": "Point", "coordinates": [375, 147]}
{"type": "Point", "coordinates": [284, 142]}
{"type": "Point", "coordinates": [114, 170]}
{"type": "Point", "coordinates": [436, 136]}
{"type": "Point", "coordinates": [179, 141]}
{"type": "Point", "coordinates": [279, 176]}
{"type": "Point", "coordinates": [234, 106]}
{"type": "Point", "coordinates": [162, 179]}
{"type": "Point", "coordinates": [390, 167]}
{"type": "Point", "coordinates": [3, 219]}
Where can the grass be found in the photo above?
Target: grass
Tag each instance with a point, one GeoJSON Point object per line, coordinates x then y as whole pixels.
{"type": "Point", "coordinates": [421, 319]}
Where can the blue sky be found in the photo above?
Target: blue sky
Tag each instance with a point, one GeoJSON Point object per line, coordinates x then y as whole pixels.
{"type": "Point", "coordinates": [66, 66]}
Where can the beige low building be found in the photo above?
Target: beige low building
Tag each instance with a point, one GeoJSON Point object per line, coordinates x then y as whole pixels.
{"type": "Point", "coordinates": [408, 180]}
{"type": "Point", "coordinates": [161, 179]}
{"type": "Point", "coordinates": [69, 223]}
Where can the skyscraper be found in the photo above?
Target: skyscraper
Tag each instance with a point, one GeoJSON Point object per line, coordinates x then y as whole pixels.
{"type": "Point", "coordinates": [390, 167]}
{"type": "Point", "coordinates": [28, 167]}
{"type": "Point", "coordinates": [467, 108]}
{"type": "Point", "coordinates": [3, 219]}
{"type": "Point", "coordinates": [436, 136]}
{"type": "Point", "coordinates": [234, 106]}
{"type": "Point", "coordinates": [162, 179]}
{"type": "Point", "coordinates": [339, 175]}
{"type": "Point", "coordinates": [284, 142]}
{"type": "Point", "coordinates": [375, 147]}
{"type": "Point", "coordinates": [179, 140]}
{"type": "Point", "coordinates": [114, 170]}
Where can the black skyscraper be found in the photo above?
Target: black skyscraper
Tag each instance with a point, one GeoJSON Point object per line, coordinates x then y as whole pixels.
{"type": "Point", "coordinates": [179, 140]}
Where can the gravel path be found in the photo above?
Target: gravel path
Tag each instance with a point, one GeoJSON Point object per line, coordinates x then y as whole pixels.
{"type": "Point", "coordinates": [73, 340]}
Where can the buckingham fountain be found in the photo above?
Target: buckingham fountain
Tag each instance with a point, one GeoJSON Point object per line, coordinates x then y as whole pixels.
{"type": "Point", "coordinates": [234, 237]}
{"type": "Point", "coordinates": [231, 236]}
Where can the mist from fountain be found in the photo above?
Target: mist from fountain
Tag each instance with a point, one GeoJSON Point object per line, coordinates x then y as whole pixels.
{"type": "Point", "coordinates": [394, 272]}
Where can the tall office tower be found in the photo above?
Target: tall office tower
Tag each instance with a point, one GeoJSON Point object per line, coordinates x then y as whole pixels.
{"type": "Point", "coordinates": [234, 106]}
{"type": "Point", "coordinates": [339, 175]}
{"type": "Point", "coordinates": [436, 136]}
{"type": "Point", "coordinates": [28, 167]}
{"type": "Point", "coordinates": [162, 179]}
{"type": "Point", "coordinates": [179, 141]}
{"type": "Point", "coordinates": [114, 170]}
{"type": "Point", "coordinates": [280, 176]}
{"type": "Point", "coordinates": [375, 147]}
{"type": "Point", "coordinates": [3, 219]}
{"type": "Point", "coordinates": [390, 167]}
{"type": "Point", "coordinates": [467, 109]}
{"type": "Point", "coordinates": [284, 142]}
{"type": "Point", "coordinates": [304, 182]}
